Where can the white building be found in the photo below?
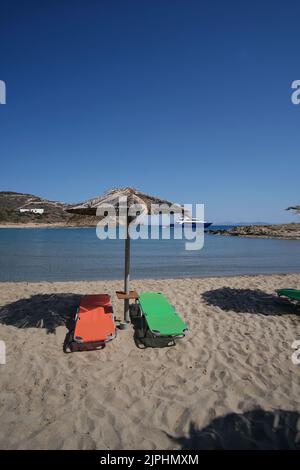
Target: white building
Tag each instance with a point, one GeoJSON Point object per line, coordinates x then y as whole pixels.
{"type": "Point", "coordinates": [34, 211]}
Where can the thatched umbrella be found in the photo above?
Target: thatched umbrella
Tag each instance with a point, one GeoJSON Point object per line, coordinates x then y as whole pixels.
{"type": "Point", "coordinates": [295, 209]}
{"type": "Point", "coordinates": [122, 200]}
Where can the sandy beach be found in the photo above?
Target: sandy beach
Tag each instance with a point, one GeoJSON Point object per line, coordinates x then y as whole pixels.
{"type": "Point", "coordinates": [229, 384]}
{"type": "Point", "coordinates": [35, 225]}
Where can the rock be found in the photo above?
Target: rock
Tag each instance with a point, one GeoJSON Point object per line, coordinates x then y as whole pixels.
{"type": "Point", "coordinates": [282, 231]}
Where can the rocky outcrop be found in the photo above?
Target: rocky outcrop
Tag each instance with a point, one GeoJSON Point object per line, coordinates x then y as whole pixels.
{"type": "Point", "coordinates": [282, 231]}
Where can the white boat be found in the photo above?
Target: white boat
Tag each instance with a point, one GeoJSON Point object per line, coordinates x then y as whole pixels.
{"type": "Point", "coordinates": [191, 222]}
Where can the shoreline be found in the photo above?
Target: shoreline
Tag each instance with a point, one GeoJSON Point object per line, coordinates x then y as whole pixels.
{"type": "Point", "coordinates": [44, 226]}
{"type": "Point", "coordinates": [265, 237]}
{"type": "Point", "coordinates": [162, 279]}
{"type": "Point", "coordinates": [289, 231]}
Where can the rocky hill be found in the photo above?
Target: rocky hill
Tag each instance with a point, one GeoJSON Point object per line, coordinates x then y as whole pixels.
{"type": "Point", "coordinates": [12, 202]}
{"type": "Point", "coordinates": [54, 212]}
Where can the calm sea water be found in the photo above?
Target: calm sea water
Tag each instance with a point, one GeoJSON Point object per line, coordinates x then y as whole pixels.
{"type": "Point", "coordinates": [77, 254]}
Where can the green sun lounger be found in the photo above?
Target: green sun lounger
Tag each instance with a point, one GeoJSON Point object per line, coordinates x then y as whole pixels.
{"type": "Point", "coordinates": [292, 294]}
{"type": "Point", "coordinates": [161, 321]}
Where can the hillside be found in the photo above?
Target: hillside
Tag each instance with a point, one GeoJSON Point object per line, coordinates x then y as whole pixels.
{"type": "Point", "coordinates": [54, 211]}
{"type": "Point", "coordinates": [11, 202]}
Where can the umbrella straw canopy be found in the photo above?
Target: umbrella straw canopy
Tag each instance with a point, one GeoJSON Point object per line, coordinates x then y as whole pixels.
{"type": "Point", "coordinates": [127, 204]}
{"type": "Point", "coordinates": [133, 196]}
{"type": "Point", "coordinates": [295, 209]}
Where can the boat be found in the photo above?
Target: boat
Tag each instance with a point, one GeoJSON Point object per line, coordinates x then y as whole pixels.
{"type": "Point", "coordinates": [191, 222]}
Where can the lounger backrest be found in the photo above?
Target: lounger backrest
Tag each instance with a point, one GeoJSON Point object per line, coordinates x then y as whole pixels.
{"type": "Point", "coordinates": [160, 315]}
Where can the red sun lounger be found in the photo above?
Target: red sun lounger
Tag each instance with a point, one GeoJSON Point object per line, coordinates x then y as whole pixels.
{"type": "Point", "coordinates": [94, 324]}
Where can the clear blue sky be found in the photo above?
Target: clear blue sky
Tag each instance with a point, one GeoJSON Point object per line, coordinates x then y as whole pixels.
{"type": "Point", "coordinates": [189, 100]}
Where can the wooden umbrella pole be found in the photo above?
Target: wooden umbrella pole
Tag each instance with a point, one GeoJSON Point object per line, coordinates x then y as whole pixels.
{"type": "Point", "coordinates": [127, 270]}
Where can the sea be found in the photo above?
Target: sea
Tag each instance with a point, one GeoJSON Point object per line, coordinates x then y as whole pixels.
{"type": "Point", "coordinates": [69, 254]}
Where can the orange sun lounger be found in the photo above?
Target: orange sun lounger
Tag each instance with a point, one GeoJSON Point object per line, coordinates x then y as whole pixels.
{"type": "Point", "coordinates": [94, 324]}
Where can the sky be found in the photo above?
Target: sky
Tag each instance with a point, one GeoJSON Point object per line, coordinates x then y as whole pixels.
{"type": "Point", "coordinates": [188, 100]}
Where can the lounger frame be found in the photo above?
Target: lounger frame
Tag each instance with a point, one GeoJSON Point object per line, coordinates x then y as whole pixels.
{"type": "Point", "coordinates": [149, 337]}
{"type": "Point", "coordinates": [74, 344]}
{"type": "Point", "coordinates": [284, 293]}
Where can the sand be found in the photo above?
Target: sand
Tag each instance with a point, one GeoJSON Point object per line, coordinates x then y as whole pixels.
{"type": "Point", "coordinates": [230, 383]}
{"type": "Point", "coordinates": [34, 225]}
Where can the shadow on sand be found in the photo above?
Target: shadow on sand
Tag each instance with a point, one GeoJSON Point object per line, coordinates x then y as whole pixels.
{"type": "Point", "coordinates": [248, 301]}
{"type": "Point", "coordinates": [41, 311]}
{"type": "Point", "coordinates": [253, 430]}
